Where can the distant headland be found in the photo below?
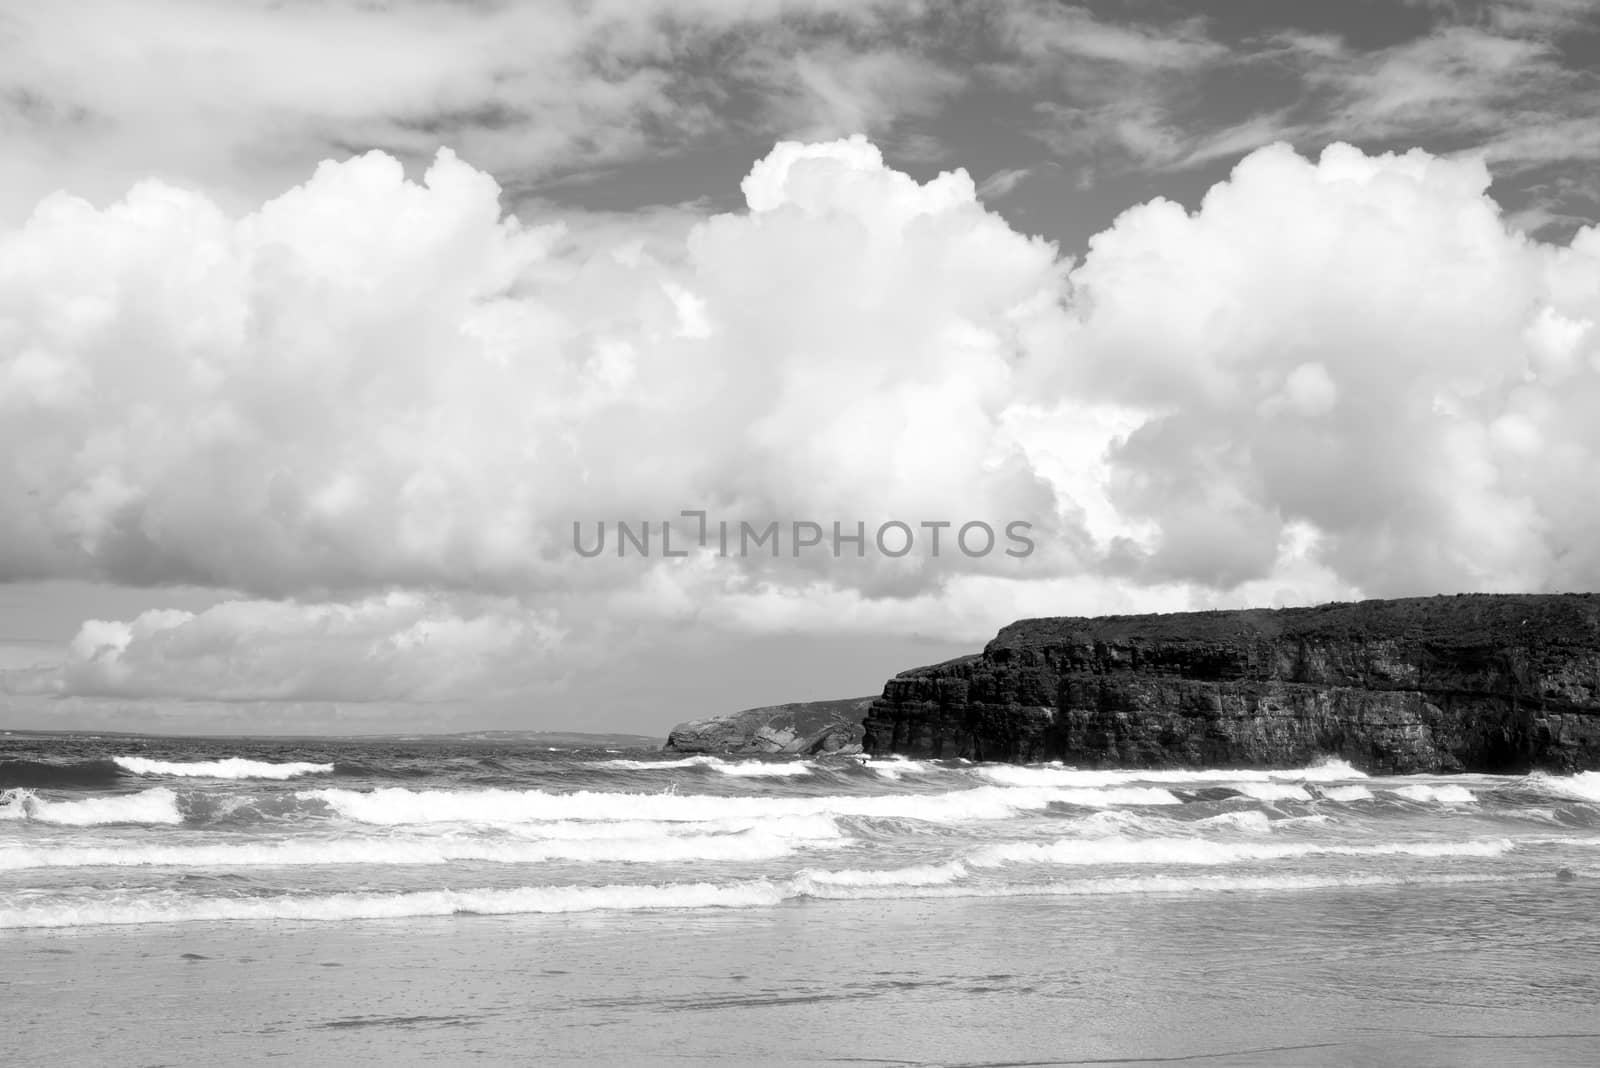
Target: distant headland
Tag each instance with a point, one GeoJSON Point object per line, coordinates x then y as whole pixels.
{"type": "Point", "coordinates": [1474, 682]}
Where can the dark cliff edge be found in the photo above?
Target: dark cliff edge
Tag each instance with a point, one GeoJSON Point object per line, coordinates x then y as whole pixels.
{"type": "Point", "coordinates": [806, 728]}
{"type": "Point", "coordinates": [1476, 682]}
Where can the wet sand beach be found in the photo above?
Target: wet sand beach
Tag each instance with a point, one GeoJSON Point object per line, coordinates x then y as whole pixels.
{"type": "Point", "coordinates": [1477, 974]}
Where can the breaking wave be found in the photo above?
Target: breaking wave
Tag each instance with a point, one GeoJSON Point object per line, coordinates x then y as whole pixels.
{"type": "Point", "coordinates": [1585, 786]}
{"type": "Point", "coordinates": [368, 906]}
{"type": "Point", "coordinates": [1252, 821]}
{"type": "Point", "coordinates": [1443, 795]}
{"type": "Point", "coordinates": [663, 848]}
{"type": "Point", "coordinates": [396, 806]}
{"type": "Point", "coordinates": [1347, 793]}
{"type": "Point", "coordinates": [807, 882]}
{"type": "Point", "coordinates": [757, 769]}
{"type": "Point", "coordinates": [935, 881]}
{"type": "Point", "coordinates": [1199, 851]}
{"type": "Point", "coordinates": [230, 768]}
{"type": "Point", "coordinates": [353, 829]}
{"type": "Point", "coordinates": [896, 766]}
{"type": "Point", "coordinates": [1060, 775]}
{"type": "Point", "coordinates": [158, 805]}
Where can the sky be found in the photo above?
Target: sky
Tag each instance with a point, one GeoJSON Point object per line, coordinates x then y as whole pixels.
{"type": "Point", "coordinates": [336, 336]}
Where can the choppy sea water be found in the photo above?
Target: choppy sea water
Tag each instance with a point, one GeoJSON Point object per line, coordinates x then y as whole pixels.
{"type": "Point", "coordinates": [921, 893]}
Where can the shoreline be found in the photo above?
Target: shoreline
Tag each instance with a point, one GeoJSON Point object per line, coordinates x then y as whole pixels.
{"type": "Point", "coordinates": [1446, 975]}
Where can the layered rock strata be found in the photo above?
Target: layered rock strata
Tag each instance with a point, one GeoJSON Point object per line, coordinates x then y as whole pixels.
{"type": "Point", "coordinates": [1492, 683]}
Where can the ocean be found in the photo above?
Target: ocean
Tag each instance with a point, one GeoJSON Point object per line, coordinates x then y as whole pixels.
{"type": "Point", "coordinates": [440, 900]}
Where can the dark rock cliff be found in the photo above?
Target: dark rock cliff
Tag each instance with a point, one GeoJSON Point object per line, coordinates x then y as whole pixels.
{"type": "Point", "coordinates": [1476, 682]}
{"type": "Point", "coordinates": [808, 728]}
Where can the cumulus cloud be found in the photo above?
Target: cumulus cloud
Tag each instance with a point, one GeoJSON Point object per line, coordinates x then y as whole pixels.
{"type": "Point", "coordinates": [1360, 344]}
{"type": "Point", "coordinates": [371, 383]}
{"type": "Point", "coordinates": [1337, 377]}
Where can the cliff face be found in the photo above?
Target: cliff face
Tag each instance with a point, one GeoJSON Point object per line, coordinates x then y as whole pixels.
{"type": "Point", "coordinates": [808, 728]}
{"type": "Point", "coordinates": [1495, 683]}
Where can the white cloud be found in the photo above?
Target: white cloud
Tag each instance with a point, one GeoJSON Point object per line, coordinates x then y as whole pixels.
{"type": "Point", "coordinates": [1337, 377]}
{"type": "Point", "coordinates": [240, 98]}
{"type": "Point", "coordinates": [1458, 78]}
{"type": "Point", "coordinates": [1498, 79]}
{"type": "Point", "coordinates": [835, 90]}
{"type": "Point", "coordinates": [399, 647]}
{"type": "Point", "coordinates": [1358, 344]}
{"type": "Point", "coordinates": [1069, 32]}
{"type": "Point", "coordinates": [1501, 80]}
{"type": "Point", "coordinates": [372, 383]}
{"type": "Point", "coordinates": [1541, 16]}
{"type": "Point", "coordinates": [1002, 182]}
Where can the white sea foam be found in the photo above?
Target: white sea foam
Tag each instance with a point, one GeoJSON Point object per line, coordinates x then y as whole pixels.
{"type": "Point", "coordinates": [1584, 785]}
{"type": "Point", "coordinates": [761, 769]}
{"type": "Point", "coordinates": [1293, 821]}
{"type": "Point", "coordinates": [1327, 771]}
{"type": "Point", "coordinates": [1060, 775]}
{"type": "Point", "coordinates": [896, 766]}
{"type": "Point", "coordinates": [657, 765]}
{"type": "Point", "coordinates": [230, 768]}
{"type": "Point", "coordinates": [367, 906]}
{"type": "Point", "coordinates": [918, 875]}
{"type": "Point", "coordinates": [807, 828]}
{"type": "Point", "coordinates": [1252, 821]}
{"type": "Point", "coordinates": [1115, 821]}
{"type": "Point", "coordinates": [1109, 796]}
{"type": "Point", "coordinates": [1124, 822]}
{"type": "Point", "coordinates": [937, 881]}
{"type": "Point", "coordinates": [1272, 791]}
{"type": "Point", "coordinates": [1047, 775]}
{"type": "Point", "coordinates": [662, 848]}
{"type": "Point", "coordinates": [756, 769]}
{"type": "Point", "coordinates": [1443, 795]}
{"type": "Point", "coordinates": [397, 806]}
{"type": "Point", "coordinates": [1154, 884]}
{"type": "Point", "coordinates": [1200, 851]}
{"type": "Point", "coordinates": [1170, 884]}
{"type": "Point", "coordinates": [812, 827]}
{"type": "Point", "coordinates": [158, 805]}
{"type": "Point", "coordinates": [1347, 793]}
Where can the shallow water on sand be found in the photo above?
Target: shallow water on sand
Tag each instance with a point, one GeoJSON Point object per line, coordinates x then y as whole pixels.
{"type": "Point", "coordinates": [174, 902]}
{"type": "Point", "coordinates": [1464, 975]}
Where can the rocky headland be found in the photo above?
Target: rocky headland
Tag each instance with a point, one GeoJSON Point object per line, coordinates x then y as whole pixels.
{"type": "Point", "coordinates": [1476, 682]}
{"type": "Point", "coordinates": [807, 728]}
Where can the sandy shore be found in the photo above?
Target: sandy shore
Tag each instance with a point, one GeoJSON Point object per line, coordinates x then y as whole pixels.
{"type": "Point", "coordinates": [1416, 976]}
